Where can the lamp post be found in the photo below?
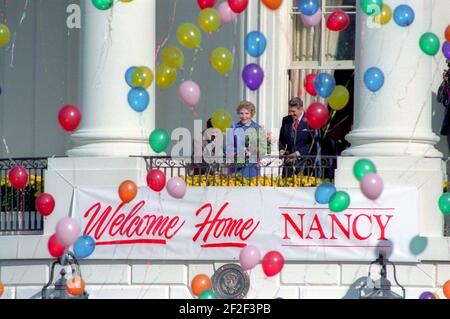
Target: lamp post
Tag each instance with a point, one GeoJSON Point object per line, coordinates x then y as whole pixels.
{"type": "Point", "coordinates": [60, 292]}
{"type": "Point", "coordinates": [382, 287]}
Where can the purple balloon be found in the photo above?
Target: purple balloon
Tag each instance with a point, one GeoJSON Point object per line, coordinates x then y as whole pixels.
{"type": "Point", "coordinates": [311, 21]}
{"type": "Point", "coordinates": [176, 187]}
{"type": "Point", "coordinates": [446, 50]}
{"type": "Point", "coordinates": [67, 231]}
{"type": "Point", "coordinates": [371, 186]}
{"type": "Point", "coordinates": [249, 257]}
{"type": "Point", "coordinates": [253, 76]}
{"type": "Point", "coordinates": [427, 295]}
{"type": "Point", "coordinates": [189, 93]}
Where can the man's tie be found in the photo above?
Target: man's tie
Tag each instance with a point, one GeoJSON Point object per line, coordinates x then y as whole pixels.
{"type": "Point", "coordinates": [295, 125]}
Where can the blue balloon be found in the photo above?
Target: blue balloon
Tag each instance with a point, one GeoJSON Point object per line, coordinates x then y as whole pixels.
{"type": "Point", "coordinates": [138, 99]}
{"type": "Point", "coordinates": [404, 15]}
{"type": "Point", "coordinates": [308, 7]}
{"type": "Point", "coordinates": [374, 79]}
{"type": "Point", "coordinates": [84, 246]}
{"type": "Point", "coordinates": [128, 75]}
{"type": "Point", "coordinates": [324, 193]}
{"type": "Point", "coordinates": [255, 44]}
{"type": "Point", "coordinates": [324, 84]}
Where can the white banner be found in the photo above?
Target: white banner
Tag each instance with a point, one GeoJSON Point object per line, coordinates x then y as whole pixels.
{"type": "Point", "coordinates": [214, 223]}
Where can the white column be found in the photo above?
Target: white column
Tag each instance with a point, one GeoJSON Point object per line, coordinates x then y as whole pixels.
{"type": "Point", "coordinates": [273, 95]}
{"type": "Point", "coordinates": [392, 127]}
{"type": "Point", "coordinates": [396, 120]}
{"type": "Point", "coordinates": [112, 41]}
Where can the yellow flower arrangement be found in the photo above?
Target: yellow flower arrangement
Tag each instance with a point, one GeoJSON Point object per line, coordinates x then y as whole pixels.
{"type": "Point", "coordinates": [27, 197]}
{"type": "Point", "coordinates": [34, 181]}
{"type": "Point", "coordinates": [237, 180]}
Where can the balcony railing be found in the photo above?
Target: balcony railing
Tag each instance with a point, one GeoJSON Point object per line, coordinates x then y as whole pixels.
{"type": "Point", "coordinates": [17, 207]}
{"type": "Point", "coordinates": [269, 171]}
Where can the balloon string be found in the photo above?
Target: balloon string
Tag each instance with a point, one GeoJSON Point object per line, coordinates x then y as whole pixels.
{"type": "Point", "coordinates": [208, 84]}
{"type": "Point", "coordinates": [194, 59]}
{"type": "Point", "coordinates": [170, 21]}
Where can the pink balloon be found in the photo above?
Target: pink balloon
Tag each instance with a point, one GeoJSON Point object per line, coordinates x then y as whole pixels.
{"type": "Point", "coordinates": [67, 231]}
{"type": "Point", "coordinates": [371, 186]}
{"type": "Point", "coordinates": [312, 21]}
{"type": "Point", "coordinates": [176, 187]}
{"type": "Point", "coordinates": [249, 257]}
{"type": "Point", "coordinates": [226, 14]}
{"type": "Point", "coordinates": [189, 93]}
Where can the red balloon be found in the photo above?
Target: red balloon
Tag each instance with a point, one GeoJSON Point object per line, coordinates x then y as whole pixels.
{"type": "Point", "coordinates": [156, 180]}
{"type": "Point", "coordinates": [45, 204]}
{"type": "Point", "coordinates": [317, 115]}
{"type": "Point", "coordinates": [272, 263]}
{"type": "Point", "coordinates": [338, 20]}
{"type": "Point", "coordinates": [203, 4]}
{"type": "Point", "coordinates": [55, 248]}
{"type": "Point", "coordinates": [18, 176]}
{"type": "Point", "coordinates": [309, 84]}
{"type": "Point", "coordinates": [238, 5]}
{"type": "Point", "coordinates": [69, 117]}
{"type": "Point", "coordinates": [447, 33]}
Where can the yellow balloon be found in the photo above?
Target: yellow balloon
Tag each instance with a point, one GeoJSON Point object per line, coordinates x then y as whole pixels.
{"type": "Point", "coordinates": [165, 76]}
{"type": "Point", "coordinates": [385, 16]}
{"type": "Point", "coordinates": [125, 0]}
{"type": "Point", "coordinates": [189, 36]}
{"type": "Point", "coordinates": [5, 35]}
{"type": "Point", "coordinates": [173, 57]}
{"type": "Point", "coordinates": [221, 120]}
{"type": "Point", "coordinates": [222, 60]}
{"type": "Point", "coordinates": [142, 77]}
{"type": "Point", "coordinates": [339, 99]}
{"type": "Point", "coordinates": [209, 20]}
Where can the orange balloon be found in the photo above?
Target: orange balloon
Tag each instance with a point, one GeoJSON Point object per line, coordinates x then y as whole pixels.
{"type": "Point", "coordinates": [272, 4]}
{"type": "Point", "coordinates": [446, 289]}
{"type": "Point", "coordinates": [127, 191]}
{"type": "Point", "coordinates": [447, 33]}
{"type": "Point", "coordinates": [2, 289]}
{"type": "Point", "coordinates": [75, 285]}
{"type": "Point", "coordinates": [200, 283]}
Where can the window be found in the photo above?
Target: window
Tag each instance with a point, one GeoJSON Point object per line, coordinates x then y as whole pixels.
{"type": "Point", "coordinates": [318, 49]}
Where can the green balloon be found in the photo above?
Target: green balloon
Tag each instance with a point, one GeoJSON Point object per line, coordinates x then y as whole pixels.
{"type": "Point", "coordinates": [444, 203]}
{"type": "Point", "coordinates": [159, 140]}
{"type": "Point", "coordinates": [371, 7]}
{"type": "Point", "coordinates": [429, 43]}
{"type": "Point", "coordinates": [418, 244]}
{"type": "Point", "coordinates": [207, 294]}
{"type": "Point", "coordinates": [339, 202]}
{"type": "Point", "coordinates": [103, 4]}
{"type": "Point", "coordinates": [362, 167]}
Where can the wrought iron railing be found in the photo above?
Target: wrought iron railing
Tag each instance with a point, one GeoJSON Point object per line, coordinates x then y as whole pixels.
{"type": "Point", "coordinates": [17, 207]}
{"type": "Point", "coordinates": [269, 171]}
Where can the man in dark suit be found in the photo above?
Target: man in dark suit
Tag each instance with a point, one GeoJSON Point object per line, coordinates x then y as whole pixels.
{"type": "Point", "coordinates": [296, 137]}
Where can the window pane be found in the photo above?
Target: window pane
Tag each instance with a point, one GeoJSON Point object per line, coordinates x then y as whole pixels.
{"type": "Point", "coordinates": [340, 46]}
{"type": "Point", "coordinates": [337, 46]}
{"type": "Point", "coordinates": [305, 40]}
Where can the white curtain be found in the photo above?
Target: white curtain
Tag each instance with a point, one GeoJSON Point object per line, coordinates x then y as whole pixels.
{"type": "Point", "coordinates": [306, 47]}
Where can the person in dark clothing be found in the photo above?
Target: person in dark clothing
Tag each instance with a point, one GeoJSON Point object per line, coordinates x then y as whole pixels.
{"type": "Point", "coordinates": [443, 97]}
{"type": "Point", "coordinates": [296, 138]}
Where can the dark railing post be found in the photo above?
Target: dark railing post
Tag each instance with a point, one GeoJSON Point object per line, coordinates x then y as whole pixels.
{"type": "Point", "coordinates": [17, 207]}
